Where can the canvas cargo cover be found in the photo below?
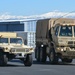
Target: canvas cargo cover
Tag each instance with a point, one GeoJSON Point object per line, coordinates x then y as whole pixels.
{"type": "Point", "coordinates": [43, 26]}
{"type": "Point", "coordinates": [62, 21]}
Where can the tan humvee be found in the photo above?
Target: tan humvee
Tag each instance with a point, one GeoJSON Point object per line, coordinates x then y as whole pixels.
{"type": "Point", "coordinates": [55, 38]}
{"type": "Point", "coordinates": [12, 46]}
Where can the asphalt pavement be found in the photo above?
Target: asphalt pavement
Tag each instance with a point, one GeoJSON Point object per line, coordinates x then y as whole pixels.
{"type": "Point", "coordinates": [16, 67]}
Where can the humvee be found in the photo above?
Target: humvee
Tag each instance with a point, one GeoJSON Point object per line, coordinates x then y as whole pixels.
{"type": "Point", "coordinates": [12, 47]}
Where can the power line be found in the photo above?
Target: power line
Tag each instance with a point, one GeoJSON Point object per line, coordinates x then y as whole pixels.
{"type": "Point", "coordinates": [64, 15]}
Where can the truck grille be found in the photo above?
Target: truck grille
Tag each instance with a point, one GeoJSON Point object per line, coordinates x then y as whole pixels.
{"type": "Point", "coordinates": [71, 43]}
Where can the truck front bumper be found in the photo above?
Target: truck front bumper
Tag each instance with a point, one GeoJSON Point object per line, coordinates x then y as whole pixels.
{"type": "Point", "coordinates": [66, 51]}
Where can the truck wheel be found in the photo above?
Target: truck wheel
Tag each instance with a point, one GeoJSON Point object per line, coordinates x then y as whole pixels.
{"type": "Point", "coordinates": [67, 60]}
{"type": "Point", "coordinates": [29, 60]}
{"type": "Point", "coordinates": [43, 54]}
{"type": "Point", "coordinates": [37, 54]}
{"type": "Point", "coordinates": [52, 57]}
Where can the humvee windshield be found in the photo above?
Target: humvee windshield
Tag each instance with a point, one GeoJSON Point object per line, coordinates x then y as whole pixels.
{"type": "Point", "coordinates": [3, 40]}
{"type": "Point", "coordinates": [16, 40]}
{"type": "Point", "coordinates": [66, 31]}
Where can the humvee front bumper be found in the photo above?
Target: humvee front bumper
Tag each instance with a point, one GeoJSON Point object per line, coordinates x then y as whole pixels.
{"type": "Point", "coordinates": [21, 50]}
{"type": "Point", "coordinates": [21, 53]}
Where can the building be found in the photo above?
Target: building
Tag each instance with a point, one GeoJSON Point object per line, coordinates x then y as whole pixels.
{"type": "Point", "coordinates": [25, 29]}
{"type": "Point", "coordinates": [11, 26]}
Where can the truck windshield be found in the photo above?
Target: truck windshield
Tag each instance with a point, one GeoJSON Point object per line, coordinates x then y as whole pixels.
{"type": "Point", "coordinates": [65, 31]}
{"type": "Point", "coordinates": [3, 40]}
{"type": "Point", "coordinates": [74, 30]}
{"type": "Point", "coordinates": [56, 31]}
{"type": "Point", "coordinates": [16, 40]}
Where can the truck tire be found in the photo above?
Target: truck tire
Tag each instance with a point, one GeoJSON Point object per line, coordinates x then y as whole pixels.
{"type": "Point", "coordinates": [66, 60]}
{"type": "Point", "coordinates": [37, 54]}
{"type": "Point", "coordinates": [52, 57]}
{"type": "Point", "coordinates": [43, 54]}
{"type": "Point", "coordinates": [29, 60]}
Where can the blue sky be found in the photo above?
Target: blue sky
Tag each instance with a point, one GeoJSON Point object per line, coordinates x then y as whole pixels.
{"type": "Point", "coordinates": [35, 7]}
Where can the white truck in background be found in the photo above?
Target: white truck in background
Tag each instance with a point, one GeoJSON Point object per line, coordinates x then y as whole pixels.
{"type": "Point", "coordinates": [28, 37]}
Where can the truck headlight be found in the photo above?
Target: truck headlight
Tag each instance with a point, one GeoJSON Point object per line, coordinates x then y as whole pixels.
{"type": "Point", "coordinates": [62, 49]}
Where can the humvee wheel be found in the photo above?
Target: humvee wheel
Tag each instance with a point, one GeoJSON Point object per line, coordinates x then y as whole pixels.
{"type": "Point", "coordinates": [52, 57]}
{"type": "Point", "coordinates": [3, 60]}
{"type": "Point", "coordinates": [29, 60]}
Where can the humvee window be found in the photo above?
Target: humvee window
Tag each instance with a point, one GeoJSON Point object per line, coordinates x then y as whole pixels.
{"type": "Point", "coordinates": [3, 40]}
{"type": "Point", "coordinates": [16, 40]}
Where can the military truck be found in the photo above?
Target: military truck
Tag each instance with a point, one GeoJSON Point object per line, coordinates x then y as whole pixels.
{"type": "Point", "coordinates": [55, 39]}
{"type": "Point", "coordinates": [12, 47]}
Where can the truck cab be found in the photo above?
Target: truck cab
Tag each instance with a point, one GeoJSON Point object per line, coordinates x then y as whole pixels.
{"type": "Point", "coordinates": [64, 39]}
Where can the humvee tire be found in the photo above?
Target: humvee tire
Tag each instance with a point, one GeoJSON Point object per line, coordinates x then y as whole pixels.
{"type": "Point", "coordinates": [3, 60]}
{"type": "Point", "coordinates": [29, 60]}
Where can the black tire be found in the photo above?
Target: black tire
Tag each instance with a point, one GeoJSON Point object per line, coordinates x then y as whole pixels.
{"type": "Point", "coordinates": [52, 57]}
{"type": "Point", "coordinates": [29, 60]}
{"type": "Point", "coordinates": [66, 60]}
{"type": "Point", "coordinates": [37, 54]}
{"type": "Point", "coordinates": [3, 60]}
{"type": "Point", "coordinates": [43, 54]}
